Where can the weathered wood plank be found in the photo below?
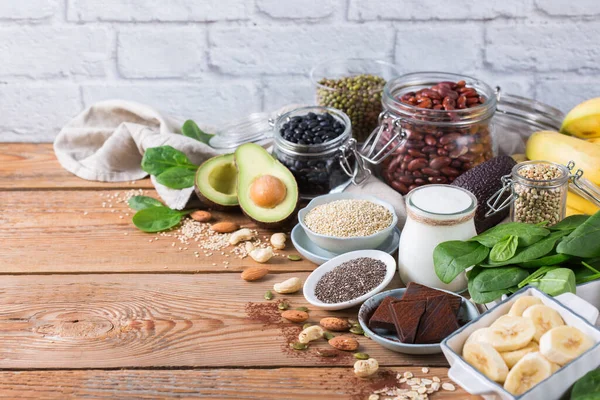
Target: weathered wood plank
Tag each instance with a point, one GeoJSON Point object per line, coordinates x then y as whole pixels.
{"type": "Point", "coordinates": [71, 231]}
{"type": "Point", "coordinates": [34, 166]}
{"type": "Point", "coordinates": [160, 320]}
{"type": "Point", "coordinates": [281, 383]}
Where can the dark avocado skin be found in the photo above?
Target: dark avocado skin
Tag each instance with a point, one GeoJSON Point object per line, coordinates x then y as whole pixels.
{"type": "Point", "coordinates": [483, 181]}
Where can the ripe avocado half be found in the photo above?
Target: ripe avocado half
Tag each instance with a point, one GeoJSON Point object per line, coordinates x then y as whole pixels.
{"type": "Point", "coordinates": [267, 190]}
{"type": "Point", "coordinates": [216, 182]}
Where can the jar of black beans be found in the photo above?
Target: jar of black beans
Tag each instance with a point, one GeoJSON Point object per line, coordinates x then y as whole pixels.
{"type": "Point", "coordinates": [307, 142]}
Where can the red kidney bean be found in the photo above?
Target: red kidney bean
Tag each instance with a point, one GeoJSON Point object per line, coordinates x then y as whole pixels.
{"type": "Point", "coordinates": [449, 171]}
{"type": "Point", "coordinates": [414, 144]}
{"type": "Point", "coordinates": [431, 94]}
{"type": "Point", "coordinates": [442, 152]}
{"type": "Point", "coordinates": [472, 101]}
{"type": "Point", "coordinates": [440, 162]}
{"type": "Point", "coordinates": [455, 164]}
{"type": "Point", "coordinates": [430, 140]}
{"type": "Point", "coordinates": [417, 174]}
{"type": "Point", "coordinates": [411, 187]}
{"type": "Point", "coordinates": [437, 179]}
{"type": "Point", "coordinates": [416, 153]}
{"type": "Point", "coordinates": [430, 171]}
{"type": "Point", "coordinates": [459, 151]}
{"type": "Point", "coordinates": [450, 146]}
{"type": "Point", "coordinates": [420, 181]}
{"type": "Point", "coordinates": [416, 164]}
{"type": "Point", "coordinates": [406, 179]}
{"type": "Point", "coordinates": [399, 187]}
{"type": "Point", "coordinates": [429, 149]}
{"type": "Point", "coordinates": [467, 157]}
{"type": "Point", "coordinates": [461, 102]}
{"type": "Point", "coordinates": [450, 138]}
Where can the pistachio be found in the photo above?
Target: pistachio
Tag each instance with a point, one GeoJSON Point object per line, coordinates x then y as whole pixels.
{"type": "Point", "coordinates": [294, 257]}
{"type": "Point", "coordinates": [269, 295]}
{"type": "Point", "coordinates": [361, 356]}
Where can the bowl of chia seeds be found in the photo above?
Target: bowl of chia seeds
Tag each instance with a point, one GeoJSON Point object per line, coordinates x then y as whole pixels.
{"type": "Point", "coordinates": [349, 279]}
{"type": "Point", "coordinates": [344, 222]}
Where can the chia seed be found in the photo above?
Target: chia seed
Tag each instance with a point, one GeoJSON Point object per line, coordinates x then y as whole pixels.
{"type": "Point", "coordinates": [350, 280]}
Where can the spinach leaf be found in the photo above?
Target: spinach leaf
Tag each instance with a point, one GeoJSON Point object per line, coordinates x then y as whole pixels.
{"type": "Point", "coordinates": [499, 278]}
{"type": "Point", "coordinates": [552, 259]}
{"type": "Point", "coordinates": [141, 202]}
{"type": "Point", "coordinates": [555, 282]}
{"type": "Point", "coordinates": [191, 129]}
{"type": "Point", "coordinates": [528, 234]}
{"type": "Point", "coordinates": [157, 160]}
{"type": "Point", "coordinates": [536, 250]}
{"type": "Point", "coordinates": [536, 274]}
{"type": "Point", "coordinates": [587, 387]}
{"type": "Point", "coordinates": [177, 178]}
{"type": "Point", "coordinates": [156, 219]}
{"type": "Point", "coordinates": [570, 223]}
{"type": "Point", "coordinates": [583, 241]}
{"type": "Point", "coordinates": [481, 297]}
{"type": "Point", "coordinates": [585, 273]}
{"type": "Point", "coordinates": [453, 257]}
{"type": "Point", "coordinates": [504, 249]}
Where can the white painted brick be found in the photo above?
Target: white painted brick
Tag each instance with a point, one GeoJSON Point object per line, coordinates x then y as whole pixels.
{"type": "Point", "coordinates": [566, 93]}
{"type": "Point", "coordinates": [293, 49]}
{"type": "Point", "coordinates": [36, 112]}
{"type": "Point", "coordinates": [27, 10]}
{"type": "Point", "coordinates": [158, 10]}
{"type": "Point", "coordinates": [454, 48]}
{"type": "Point", "coordinates": [49, 52]}
{"type": "Point", "coordinates": [207, 103]}
{"type": "Point", "coordinates": [280, 92]}
{"type": "Point", "coordinates": [363, 10]}
{"type": "Point", "coordinates": [571, 8]}
{"type": "Point", "coordinates": [515, 84]}
{"type": "Point", "coordinates": [543, 47]}
{"type": "Point", "coordinates": [297, 9]}
{"type": "Point", "coordinates": [161, 53]}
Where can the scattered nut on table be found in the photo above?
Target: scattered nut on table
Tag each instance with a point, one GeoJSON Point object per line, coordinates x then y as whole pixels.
{"type": "Point", "coordinates": [364, 368]}
{"type": "Point", "coordinates": [311, 333]}
{"type": "Point", "coordinates": [262, 256]}
{"type": "Point", "coordinates": [249, 246]}
{"type": "Point", "coordinates": [345, 343]}
{"type": "Point", "coordinates": [201, 216]}
{"type": "Point", "coordinates": [295, 315]}
{"type": "Point", "coordinates": [241, 235]}
{"type": "Point", "coordinates": [292, 285]}
{"type": "Point", "coordinates": [278, 240]}
{"type": "Point", "coordinates": [335, 324]}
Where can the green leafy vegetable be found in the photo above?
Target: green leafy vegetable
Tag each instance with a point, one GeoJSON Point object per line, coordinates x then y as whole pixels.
{"type": "Point", "coordinates": [584, 241]}
{"type": "Point", "coordinates": [504, 249]}
{"type": "Point", "coordinates": [555, 282]}
{"type": "Point", "coordinates": [587, 387]}
{"type": "Point", "coordinates": [528, 234]}
{"type": "Point", "coordinates": [141, 202]}
{"type": "Point", "coordinates": [499, 278]}
{"type": "Point", "coordinates": [552, 259]}
{"type": "Point", "coordinates": [171, 167]}
{"type": "Point", "coordinates": [536, 250]}
{"type": "Point", "coordinates": [191, 129]}
{"type": "Point", "coordinates": [585, 273]}
{"type": "Point", "coordinates": [453, 257]}
{"type": "Point", "coordinates": [569, 223]}
{"type": "Point", "coordinates": [156, 219]}
{"type": "Point", "coordinates": [177, 178]}
{"type": "Point", "coordinates": [482, 297]}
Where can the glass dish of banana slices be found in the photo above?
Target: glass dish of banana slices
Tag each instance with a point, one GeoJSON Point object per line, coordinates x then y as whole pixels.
{"type": "Point", "coordinates": [530, 346]}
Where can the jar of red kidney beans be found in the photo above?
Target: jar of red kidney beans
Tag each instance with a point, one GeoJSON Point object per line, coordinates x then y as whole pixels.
{"type": "Point", "coordinates": [440, 124]}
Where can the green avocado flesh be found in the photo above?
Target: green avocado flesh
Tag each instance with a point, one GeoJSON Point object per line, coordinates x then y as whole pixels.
{"type": "Point", "coordinates": [216, 181]}
{"type": "Point", "coordinates": [252, 162]}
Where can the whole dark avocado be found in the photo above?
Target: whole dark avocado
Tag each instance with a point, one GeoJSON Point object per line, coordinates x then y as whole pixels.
{"type": "Point", "coordinates": [483, 181]}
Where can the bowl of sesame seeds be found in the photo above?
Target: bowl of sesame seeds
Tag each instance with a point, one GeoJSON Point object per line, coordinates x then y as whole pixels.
{"type": "Point", "coordinates": [344, 222]}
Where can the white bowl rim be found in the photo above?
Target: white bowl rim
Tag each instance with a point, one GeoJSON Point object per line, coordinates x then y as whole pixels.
{"type": "Point", "coordinates": [366, 328]}
{"type": "Point", "coordinates": [343, 196]}
{"type": "Point", "coordinates": [309, 290]}
{"type": "Point", "coordinates": [496, 385]}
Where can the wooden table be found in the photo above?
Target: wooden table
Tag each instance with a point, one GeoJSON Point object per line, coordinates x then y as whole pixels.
{"type": "Point", "coordinates": [90, 307]}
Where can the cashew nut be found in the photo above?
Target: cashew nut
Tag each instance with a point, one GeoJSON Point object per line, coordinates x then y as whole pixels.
{"type": "Point", "coordinates": [364, 368]}
{"type": "Point", "coordinates": [292, 285]}
{"type": "Point", "coordinates": [249, 247]}
{"type": "Point", "coordinates": [241, 236]}
{"type": "Point", "coordinates": [262, 255]}
{"type": "Point", "coordinates": [278, 240]}
{"type": "Point", "coordinates": [311, 333]}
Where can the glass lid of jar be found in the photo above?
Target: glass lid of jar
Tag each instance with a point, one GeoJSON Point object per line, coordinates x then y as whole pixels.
{"type": "Point", "coordinates": [516, 110]}
{"type": "Point", "coordinates": [254, 128]}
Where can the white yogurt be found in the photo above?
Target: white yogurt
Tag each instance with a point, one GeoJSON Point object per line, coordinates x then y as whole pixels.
{"type": "Point", "coordinates": [436, 213]}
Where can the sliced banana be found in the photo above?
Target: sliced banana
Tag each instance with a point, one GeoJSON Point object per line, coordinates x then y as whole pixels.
{"type": "Point", "coordinates": [477, 336]}
{"type": "Point", "coordinates": [510, 333]}
{"type": "Point", "coordinates": [563, 344]}
{"type": "Point", "coordinates": [528, 372]}
{"type": "Point", "coordinates": [544, 318]}
{"type": "Point", "coordinates": [512, 357]}
{"type": "Point", "coordinates": [522, 303]}
{"type": "Point", "coordinates": [486, 360]}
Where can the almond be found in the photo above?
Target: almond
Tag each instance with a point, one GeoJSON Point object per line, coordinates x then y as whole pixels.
{"type": "Point", "coordinates": [295, 315]}
{"type": "Point", "coordinates": [225, 227]}
{"type": "Point", "coordinates": [335, 324]}
{"type": "Point", "coordinates": [345, 343]}
{"type": "Point", "coordinates": [201, 216]}
{"type": "Point", "coordinates": [254, 273]}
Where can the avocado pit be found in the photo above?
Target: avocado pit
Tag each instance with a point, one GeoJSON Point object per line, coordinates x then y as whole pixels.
{"type": "Point", "coordinates": [267, 191]}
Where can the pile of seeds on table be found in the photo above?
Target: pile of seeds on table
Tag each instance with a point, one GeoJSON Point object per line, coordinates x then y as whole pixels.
{"type": "Point", "coordinates": [350, 280]}
{"type": "Point", "coordinates": [418, 388]}
{"type": "Point", "coordinates": [348, 218]}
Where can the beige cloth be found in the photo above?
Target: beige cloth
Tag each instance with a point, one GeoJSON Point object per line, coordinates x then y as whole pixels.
{"type": "Point", "coordinates": [106, 142]}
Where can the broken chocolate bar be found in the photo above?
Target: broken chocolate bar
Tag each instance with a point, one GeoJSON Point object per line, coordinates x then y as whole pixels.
{"type": "Point", "coordinates": [415, 291]}
{"type": "Point", "coordinates": [382, 317]}
{"type": "Point", "coordinates": [438, 322]}
{"type": "Point", "coordinates": [407, 315]}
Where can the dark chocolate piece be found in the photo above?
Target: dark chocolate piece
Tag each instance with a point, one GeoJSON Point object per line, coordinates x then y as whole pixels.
{"type": "Point", "coordinates": [415, 291]}
{"type": "Point", "coordinates": [382, 318]}
{"type": "Point", "coordinates": [438, 322]}
{"type": "Point", "coordinates": [407, 315]}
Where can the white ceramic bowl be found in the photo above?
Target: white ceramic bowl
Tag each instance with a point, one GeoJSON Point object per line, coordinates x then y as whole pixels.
{"type": "Point", "coordinates": [553, 387]}
{"type": "Point", "coordinates": [315, 276]}
{"type": "Point", "coordinates": [344, 244]}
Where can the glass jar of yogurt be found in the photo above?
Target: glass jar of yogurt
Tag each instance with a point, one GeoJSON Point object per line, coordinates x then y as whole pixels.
{"type": "Point", "coordinates": [435, 214]}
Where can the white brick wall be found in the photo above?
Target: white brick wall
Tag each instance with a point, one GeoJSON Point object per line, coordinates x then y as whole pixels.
{"type": "Point", "coordinates": [216, 60]}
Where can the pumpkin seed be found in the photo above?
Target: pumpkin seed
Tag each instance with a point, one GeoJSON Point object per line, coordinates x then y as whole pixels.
{"type": "Point", "coordinates": [357, 330]}
{"type": "Point", "coordinates": [306, 325]}
{"type": "Point", "coordinates": [294, 257]}
{"type": "Point", "coordinates": [269, 295]}
{"type": "Point", "coordinates": [328, 335]}
{"type": "Point", "coordinates": [361, 356]}
{"type": "Point", "coordinates": [302, 309]}
{"type": "Point", "coordinates": [298, 346]}
{"type": "Point", "coordinates": [283, 305]}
